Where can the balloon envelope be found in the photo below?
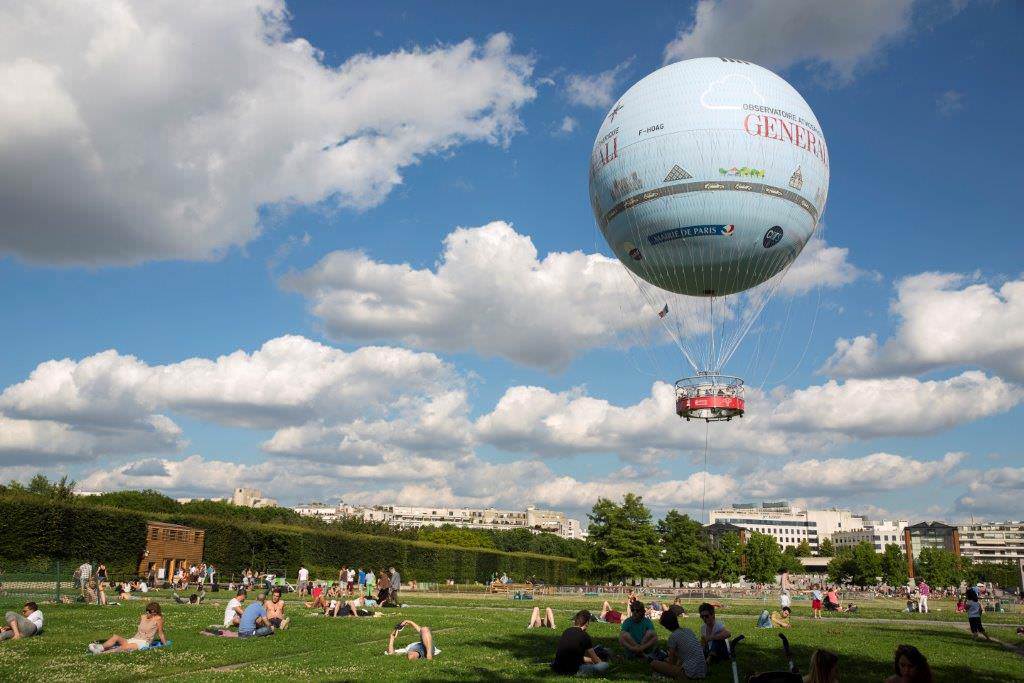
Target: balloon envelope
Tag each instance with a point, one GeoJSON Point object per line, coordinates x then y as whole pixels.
{"type": "Point", "coordinates": [709, 176]}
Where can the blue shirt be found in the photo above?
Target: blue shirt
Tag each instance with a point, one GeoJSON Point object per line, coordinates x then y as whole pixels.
{"type": "Point", "coordinates": [247, 624]}
{"type": "Point", "coordinates": [637, 629]}
{"type": "Point", "coordinates": [362, 578]}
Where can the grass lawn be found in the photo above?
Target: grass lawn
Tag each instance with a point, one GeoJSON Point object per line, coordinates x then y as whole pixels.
{"type": "Point", "coordinates": [481, 638]}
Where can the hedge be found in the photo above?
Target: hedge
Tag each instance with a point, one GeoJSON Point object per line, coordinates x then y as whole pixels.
{"type": "Point", "coordinates": [31, 527]}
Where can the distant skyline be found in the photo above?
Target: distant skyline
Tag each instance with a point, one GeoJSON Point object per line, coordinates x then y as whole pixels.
{"type": "Point", "coordinates": [335, 251]}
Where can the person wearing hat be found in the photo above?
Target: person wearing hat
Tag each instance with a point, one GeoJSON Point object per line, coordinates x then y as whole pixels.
{"type": "Point", "coordinates": [638, 635]}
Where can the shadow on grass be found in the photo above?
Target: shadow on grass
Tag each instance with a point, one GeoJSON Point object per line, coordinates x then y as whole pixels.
{"type": "Point", "coordinates": [536, 650]}
{"type": "Point", "coordinates": [938, 638]}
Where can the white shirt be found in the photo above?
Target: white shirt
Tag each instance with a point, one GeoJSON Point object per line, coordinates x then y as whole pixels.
{"type": "Point", "coordinates": [85, 571]}
{"type": "Point", "coordinates": [303, 574]}
{"type": "Point", "coordinates": [229, 611]}
{"type": "Point", "coordinates": [784, 600]}
{"type": "Point", "coordinates": [37, 619]}
{"type": "Point", "coordinates": [351, 575]}
{"type": "Point", "coordinates": [143, 587]}
{"type": "Point", "coordinates": [719, 627]}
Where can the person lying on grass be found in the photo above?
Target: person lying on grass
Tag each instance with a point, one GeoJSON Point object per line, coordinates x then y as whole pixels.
{"type": "Point", "coordinates": [637, 634]}
{"type": "Point", "coordinates": [575, 653]}
{"type": "Point", "coordinates": [275, 610]}
{"type": "Point", "coordinates": [151, 628]}
{"type": "Point", "coordinates": [685, 655]}
{"type": "Point", "coordinates": [424, 648]}
{"type": "Point", "coordinates": [781, 620]}
{"type": "Point", "coordinates": [609, 615]}
{"type": "Point", "coordinates": [28, 623]}
{"type": "Point", "coordinates": [193, 600]}
{"type": "Point", "coordinates": [547, 622]}
{"type": "Point", "coordinates": [351, 608]}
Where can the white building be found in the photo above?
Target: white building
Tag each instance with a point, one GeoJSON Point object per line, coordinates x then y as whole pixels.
{"type": "Point", "coordinates": [992, 541]}
{"type": "Point", "coordinates": [252, 498]}
{"type": "Point", "coordinates": [879, 533]}
{"type": "Point", "coordinates": [474, 518]}
{"type": "Point", "coordinates": [788, 525]}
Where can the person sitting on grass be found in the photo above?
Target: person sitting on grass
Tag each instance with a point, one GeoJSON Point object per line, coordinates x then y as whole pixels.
{"type": "Point", "coordinates": [422, 649]}
{"type": "Point", "coordinates": [28, 623]}
{"type": "Point", "coordinates": [832, 601]}
{"type": "Point", "coordinates": [575, 653]}
{"type": "Point", "coordinates": [910, 666]}
{"type": "Point", "coordinates": [685, 656]}
{"type": "Point", "coordinates": [609, 615]}
{"type": "Point", "coordinates": [713, 634]}
{"type": "Point", "coordinates": [151, 628]}
{"type": "Point", "coordinates": [547, 622]}
{"type": "Point", "coordinates": [637, 634]}
{"type": "Point", "coordinates": [677, 608]}
{"type": "Point", "coordinates": [254, 623]}
{"type": "Point", "coordinates": [275, 610]}
{"type": "Point", "coordinates": [824, 668]}
{"type": "Point", "coordinates": [233, 612]}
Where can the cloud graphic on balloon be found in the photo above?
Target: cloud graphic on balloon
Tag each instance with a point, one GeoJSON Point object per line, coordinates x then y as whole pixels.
{"type": "Point", "coordinates": [727, 93]}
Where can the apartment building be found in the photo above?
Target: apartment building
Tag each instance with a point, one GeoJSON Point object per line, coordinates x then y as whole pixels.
{"type": "Point", "coordinates": [787, 524]}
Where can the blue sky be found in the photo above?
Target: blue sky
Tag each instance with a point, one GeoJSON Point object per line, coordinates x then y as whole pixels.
{"type": "Point", "coordinates": [279, 185]}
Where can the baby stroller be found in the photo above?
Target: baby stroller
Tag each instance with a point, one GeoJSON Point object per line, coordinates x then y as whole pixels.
{"type": "Point", "coordinates": [790, 676]}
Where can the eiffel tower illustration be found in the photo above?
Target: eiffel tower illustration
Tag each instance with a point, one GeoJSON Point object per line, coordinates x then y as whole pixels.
{"type": "Point", "coordinates": [677, 173]}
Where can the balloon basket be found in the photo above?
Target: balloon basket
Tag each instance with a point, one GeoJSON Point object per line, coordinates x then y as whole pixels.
{"type": "Point", "coordinates": [710, 397]}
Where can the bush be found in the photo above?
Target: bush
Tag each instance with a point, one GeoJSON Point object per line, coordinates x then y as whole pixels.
{"type": "Point", "coordinates": [35, 526]}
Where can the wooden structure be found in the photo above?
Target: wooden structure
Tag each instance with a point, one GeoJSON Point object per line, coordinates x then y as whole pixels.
{"type": "Point", "coordinates": [169, 546]}
{"type": "Point", "coordinates": [511, 588]}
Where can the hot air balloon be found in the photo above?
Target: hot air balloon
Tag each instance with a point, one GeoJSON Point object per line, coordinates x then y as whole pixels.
{"type": "Point", "coordinates": [707, 178]}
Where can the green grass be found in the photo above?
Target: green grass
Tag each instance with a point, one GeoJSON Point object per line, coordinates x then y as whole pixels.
{"type": "Point", "coordinates": [481, 639]}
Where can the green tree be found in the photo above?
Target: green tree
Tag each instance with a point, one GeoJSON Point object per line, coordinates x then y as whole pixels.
{"type": "Point", "coordinates": [725, 559]}
{"type": "Point", "coordinates": [826, 549]}
{"type": "Point", "coordinates": [894, 565]}
{"type": "Point", "coordinates": [624, 541]}
{"type": "Point", "coordinates": [803, 549]}
{"type": "Point", "coordinates": [840, 567]}
{"type": "Point", "coordinates": [865, 565]}
{"type": "Point", "coordinates": [685, 555]}
{"type": "Point", "coordinates": [764, 558]}
{"type": "Point", "coordinates": [940, 567]}
{"type": "Point", "coordinates": [790, 561]}
{"type": "Point", "coordinates": [143, 501]}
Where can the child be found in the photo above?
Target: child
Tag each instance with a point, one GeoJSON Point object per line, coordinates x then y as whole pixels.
{"type": "Point", "coordinates": [816, 602]}
{"type": "Point", "coordinates": [974, 614]}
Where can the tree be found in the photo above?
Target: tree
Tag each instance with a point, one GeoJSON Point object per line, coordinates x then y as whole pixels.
{"type": "Point", "coordinates": [790, 561]}
{"type": "Point", "coordinates": [803, 549]}
{"type": "Point", "coordinates": [685, 555]}
{"type": "Point", "coordinates": [866, 565]}
{"type": "Point", "coordinates": [840, 567]}
{"type": "Point", "coordinates": [725, 559]}
{"type": "Point", "coordinates": [826, 549]}
{"type": "Point", "coordinates": [940, 567]}
{"type": "Point", "coordinates": [894, 565]}
{"type": "Point", "coordinates": [623, 539]}
{"type": "Point", "coordinates": [764, 559]}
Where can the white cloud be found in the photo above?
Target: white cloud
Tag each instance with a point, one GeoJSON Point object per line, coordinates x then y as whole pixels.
{"type": "Point", "coordinates": [995, 493]}
{"type": "Point", "coordinates": [535, 419]}
{"type": "Point", "coordinates": [950, 102]}
{"type": "Point", "coordinates": [138, 131]}
{"type": "Point", "coordinates": [490, 293]}
{"type": "Point", "coordinates": [595, 90]}
{"type": "Point", "coordinates": [568, 125]}
{"type": "Point", "coordinates": [846, 476]}
{"type": "Point", "coordinates": [839, 36]}
{"type": "Point", "coordinates": [819, 265]}
{"type": "Point", "coordinates": [944, 321]}
{"type": "Point", "coordinates": [326, 403]}
{"type": "Point", "coordinates": [902, 406]}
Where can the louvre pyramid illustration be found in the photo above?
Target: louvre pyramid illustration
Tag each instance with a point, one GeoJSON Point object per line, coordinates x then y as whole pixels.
{"type": "Point", "coordinates": [677, 173]}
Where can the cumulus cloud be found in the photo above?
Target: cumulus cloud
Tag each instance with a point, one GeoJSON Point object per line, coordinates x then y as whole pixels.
{"type": "Point", "coordinates": [324, 402]}
{"type": "Point", "coordinates": [49, 442]}
{"type": "Point", "coordinates": [839, 36]}
{"type": "Point", "coordinates": [846, 476]}
{"type": "Point", "coordinates": [568, 125]}
{"type": "Point", "coordinates": [944, 320]}
{"type": "Point", "coordinates": [595, 90]}
{"type": "Point", "coordinates": [950, 102]}
{"type": "Point", "coordinates": [902, 406]}
{"type": "Point", "coordinates": [135, 131]}
{"type": "Point", "coordinates": [492, 294]}
{"type": "Point", "coordinates": [996, 492]}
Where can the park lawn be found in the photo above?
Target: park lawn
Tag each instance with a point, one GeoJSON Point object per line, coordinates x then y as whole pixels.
{"type": "Point", "coordinates": [477, 643]}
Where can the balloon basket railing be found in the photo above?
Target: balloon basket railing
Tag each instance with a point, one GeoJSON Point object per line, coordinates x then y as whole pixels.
{"type": "Point", "coordinates": [710, 397]}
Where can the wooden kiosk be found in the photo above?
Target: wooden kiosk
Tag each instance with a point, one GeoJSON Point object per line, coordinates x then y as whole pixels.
{"type": "Point", "coordinates": [169, 546]}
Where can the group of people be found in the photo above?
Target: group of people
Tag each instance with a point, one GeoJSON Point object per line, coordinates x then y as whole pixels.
{"type": "Point", "coordinates": [379, 588]}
